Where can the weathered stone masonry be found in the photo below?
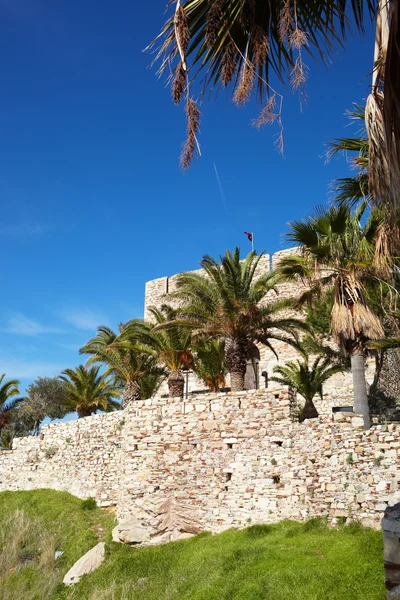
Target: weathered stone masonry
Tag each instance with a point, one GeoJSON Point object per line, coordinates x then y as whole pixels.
{"type": "Point", "coordinates": [232, 458]}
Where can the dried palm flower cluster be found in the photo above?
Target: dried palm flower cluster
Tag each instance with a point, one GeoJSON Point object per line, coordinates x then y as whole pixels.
{"type": "Point", "coordinates": [213, 25]}
{"type": "Point", "coordinates": [260, 45]}
{"type": "Point", "coordinates": [180, 84]}
{"type": "Point", "coordinates": [245, 86]}
{"type": "Point", "coordinates": [268, 115]}
{"type": "Point", "coordinates": [229, 63]}
{"type": "Point", "coordinates": [181, 30]}
{"type": "Point", "coordinates": [298, 76]}
{"type": "Point", "coordinates": [247, 14]}
{"type": "Point", "coordinates": [190, 147]}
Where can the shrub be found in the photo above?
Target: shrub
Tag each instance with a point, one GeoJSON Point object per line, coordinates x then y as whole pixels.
{"type": "Point", "coordinates": [50, 452]}
{"type": "Point", "coordinates": [89, 504]}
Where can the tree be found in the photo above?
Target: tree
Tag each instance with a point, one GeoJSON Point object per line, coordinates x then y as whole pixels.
{"type": "Point", "coordinates": [352, 190]}
{"type": "Point", "coordinates": [86, 391]}
{"type": "Point", "coordinates": [135, 370]}
{"type": "Point", "coordinates": [337, 249]}
{"type": "Point", "coordinates": [8, 392]}
{"type": "Point", "coordinates": [306, 380]}
{"type": "Point", "coordinates": [209, 364]}
{"type": "Point", "coordinates": [45, 398]}
{"type": "Point", "coordinates": [169, 341]}
{"type": "Point", "coordinates": [242, 42]}
{"type": "Point", "coordinates": [227, 302]}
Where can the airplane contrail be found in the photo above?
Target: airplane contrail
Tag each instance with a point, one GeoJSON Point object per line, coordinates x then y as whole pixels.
{"type": "Point", "coordinates": [221, 191]}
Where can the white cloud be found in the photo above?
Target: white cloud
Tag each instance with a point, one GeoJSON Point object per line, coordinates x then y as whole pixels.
{"type": "Point", "coordinates": [85, 319]}
{"type": "Point", "coordinates": [21, 325]}
{"type": "Point", "coordinates": [29, 369]}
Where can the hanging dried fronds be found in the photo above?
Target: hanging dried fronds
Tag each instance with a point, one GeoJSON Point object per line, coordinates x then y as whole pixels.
{"type": "Point", "coordinates": [213, 26]}
{"type": "Point", "coordinates": [366, 322]}
{"type": "Point", "coordinates": [386, 249]}
{"type": "Point", "coordinates": [391, 103]}
{"type": "Point", "coordinates": [191, 146]}
{"type": "Point", "coordinates": [297, 39]}
{"type": "Point", "coordinates": [298, 76]}
{"type": "Point", "coordinates": [178, 83]}
{"type": "Point", "coordinates": [268, 115]}
{"type": "Point", "coordinates": [378, 168]}
{"type": "Point", "coordinates": [352, 321]}
{"type": "Point", "coordinates": [260, 45]}
{"type": "Point", "coordinates": [244, 88]}
{"type": "Point", "coordinates": [229, 63]}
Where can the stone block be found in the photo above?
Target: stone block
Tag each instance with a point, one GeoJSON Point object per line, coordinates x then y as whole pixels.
{"type": "Point", "coordinates": [87, 563]}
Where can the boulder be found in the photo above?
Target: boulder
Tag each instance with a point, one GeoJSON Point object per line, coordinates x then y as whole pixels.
{"type": "Point", "coordinates": [87, 563]}
{"type": "Point", "coordinates": [130, 531]}
{"type": "Point", "coordinates": [391, 544]}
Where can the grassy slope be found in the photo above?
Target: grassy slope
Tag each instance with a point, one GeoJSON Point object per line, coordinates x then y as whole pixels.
{"type": "Point", "coordinates": [288, 561]}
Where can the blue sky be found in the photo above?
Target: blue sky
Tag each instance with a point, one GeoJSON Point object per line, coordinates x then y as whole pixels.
{"type": "Point", "coordinates": [93, 201]}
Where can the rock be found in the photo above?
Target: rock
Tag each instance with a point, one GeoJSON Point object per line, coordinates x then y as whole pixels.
{"type": "Point", "coordinates": [394, 594]}
{"type": "Point", "coordinates": [391, 545]}
{"type": "Point", "coordinates": [130, 531]}
{"type": "Point", "coordinates": [176, 519]}
{"type": "Point", "coordinates": [87, 563]}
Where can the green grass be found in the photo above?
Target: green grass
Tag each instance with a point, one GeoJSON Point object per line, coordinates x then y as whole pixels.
{"type": "Point", "coordinates": [287, 561]}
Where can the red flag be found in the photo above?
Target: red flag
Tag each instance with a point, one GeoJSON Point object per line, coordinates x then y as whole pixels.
{"type": "Point", "coordinates": [249, 236]}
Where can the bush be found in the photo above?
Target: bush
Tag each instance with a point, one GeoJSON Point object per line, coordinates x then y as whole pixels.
{"type": "Point", "coordinates": [89, 504]}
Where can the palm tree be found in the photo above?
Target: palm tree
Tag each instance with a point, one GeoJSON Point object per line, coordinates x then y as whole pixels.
{"type": "Point", "coordinates": [352, 190]}
{"type": "Point", "coordinates": [306, 380]}
{"type": "Point", "coordinates": [227, 302]}
{"type": "Point", "coordinates": [87, 391]}
{"type": "Point", "coordinates": [135, 370]}
{"type": "Point", "coordinates": [169, 342]}
{"type": "Point", "coordinates": [8, 392]}
{"type": "Point", "coordinates": [209, 364]}
{"type": "Point", "coordinates": [218, 42]}
{"type": "Point", "coordinates": [337, 249]}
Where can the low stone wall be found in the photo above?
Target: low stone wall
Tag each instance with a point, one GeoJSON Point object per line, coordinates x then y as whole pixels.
{"type": "Point", "coordinates": [218, 460]}
{"type": "Point", "coordinates": [82, 457]}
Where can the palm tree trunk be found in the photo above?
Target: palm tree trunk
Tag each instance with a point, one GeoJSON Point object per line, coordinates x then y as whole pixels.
{"type": "Point", "coordinates": [84, 412]}
{"type": "Point", "coordinates": [176, 384]}
{"type": "Point", "coordinates": [236, 360]}
{"type": "Point", "coordinates": [131, 393]}
{"type": "Point", "coordinates": [309, 411]}
{"type": "Point", "coordinates": [360, 387]}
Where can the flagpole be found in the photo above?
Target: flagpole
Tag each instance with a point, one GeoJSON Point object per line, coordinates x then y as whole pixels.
{"type": "Point", "coordinates": [252, 242]}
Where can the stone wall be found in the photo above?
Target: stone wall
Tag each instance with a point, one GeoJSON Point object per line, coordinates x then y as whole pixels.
{"type": "Point", "coordinates": [227, 459]}
{"type": "Point", "coordinates": [82, 457]}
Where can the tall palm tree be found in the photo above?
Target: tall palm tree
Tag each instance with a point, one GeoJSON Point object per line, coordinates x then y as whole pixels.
{"type": "Point", "coordinates": [209, 363]}
{"type": "Point", "coordinates": [87, 391]}
{"type": "Point", "coordinates": [306, 380]}
{"type": "Point", "coordinates": [338, 249]}
{"type": "Point", "coordinates": [228, 302]}
{"type": "Point", "coordinates": [218, 42]}
{"type": "Point", "coordinates": [133, 368]}
{"type": "Point", "coordinates": [169, 342]}
{"type": "Point", "coordinates": [8, 392]}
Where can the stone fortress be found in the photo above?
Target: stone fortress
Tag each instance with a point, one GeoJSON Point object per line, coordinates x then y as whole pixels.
{"type": "Point", "coordinates": [174, 467]}
{"type": "Point", "coordinates": [339, 388]}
